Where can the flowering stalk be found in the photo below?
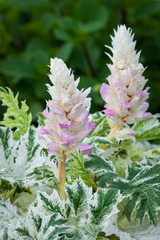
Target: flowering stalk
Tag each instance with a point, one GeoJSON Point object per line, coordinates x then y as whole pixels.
{"type": "Point", "coordinates": [114, 130]}
{"type": "Point", "coordinates": [125, 99]}
{"type": "Point", "coordinates": [66, 116]}
{"type": "Point", "coordinates": [62, 179]}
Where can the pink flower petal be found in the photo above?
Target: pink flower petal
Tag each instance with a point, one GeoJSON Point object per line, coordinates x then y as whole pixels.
{"type": "Point", "coordinates": [82, 117]}
{"type": "Point", "coordinates": [66, 138]}
{"type": "Point", "coordinates": [112, 79]}
{"type": "Point", "coordinates": [109, 112]}
{"type": "Point", "coordinates": [52, 147]}
{"type": "Point", "coordinates": [90, 126]}
{"type": "Point", "coordinates": [65, 125]}
{"type": "Point", "coordinates": [104, 91]}
{"type": "Point", "coordinates": [119, 84]}
{"type": "Point", "coordinates": [75, 111]}
{"type": "Point", "coordinates": [45, 113]}
{"type": "Point", "coordinates": [139, 94]}
{"type": "Point", "coordinates": [85, 148]}
{"type": "Point", "coordinates": [144, 106]}
{"type": "Point", "coordinates": [123, 105]}
{"type": "Point", "coordinates": [44, 131]}
{"type": "Point", "coordinates": [147, 115]}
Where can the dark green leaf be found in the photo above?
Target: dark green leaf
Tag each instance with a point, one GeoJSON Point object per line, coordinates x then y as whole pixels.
{"type": "Point", "coordinates": [143, 187]}
{"type": "Point", "coordinates": [65, 51]}
{"type": "Point", "coordinates": [17, 69]}
{"type": "Point", "coordinates": [104, 204]}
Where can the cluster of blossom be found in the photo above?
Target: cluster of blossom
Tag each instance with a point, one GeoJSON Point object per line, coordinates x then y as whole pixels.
{"type": "Point", "coordinates": [124, 96]}
{"type": "Point", "coordinates": [66, 114]}
{"type": "Point", "coordinates": [125, 99]}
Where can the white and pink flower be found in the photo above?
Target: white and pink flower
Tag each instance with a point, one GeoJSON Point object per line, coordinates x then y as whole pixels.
{"type": "Point", "coordinates": [67, 113]}
{"type": "Point", "coordinates": [124, 95]}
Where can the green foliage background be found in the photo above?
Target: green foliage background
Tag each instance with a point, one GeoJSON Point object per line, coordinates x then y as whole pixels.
{"type": "Point", "coordinates": [33, 31]}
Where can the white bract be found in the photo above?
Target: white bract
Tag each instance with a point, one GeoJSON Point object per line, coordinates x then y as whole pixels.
{"type": "Point", "coordinates": [66, 113]}
{"type": "Point", "coordinates": [124, 96]}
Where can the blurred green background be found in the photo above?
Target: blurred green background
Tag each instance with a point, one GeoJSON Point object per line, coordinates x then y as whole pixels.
{"type": "Point", "coordinates": [33, 31]}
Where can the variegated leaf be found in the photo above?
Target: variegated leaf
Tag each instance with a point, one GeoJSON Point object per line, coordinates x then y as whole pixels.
{"type": "Point", "coordinates": [9, 220]}
{"type": "Point", "coordinates": [22, 162]}
{"type": "Point", "coordinates": [82, 216]}
{"type": "Point", "coordinates": [148, 129]}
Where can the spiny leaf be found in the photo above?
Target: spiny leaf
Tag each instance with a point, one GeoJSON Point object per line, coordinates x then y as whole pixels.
{"type": "Point", "coordinates": [38, 221]}
{"type": "Point", "coordinates": [143, 187]}
{"type": "Point", "coordinates": [31, 144]}
{"type": "Point", "coordinates": [101, 168]}
{"type": "Point", "coordinates": [77, 168]}
{"type": "Point", "coordinates": [8, 193]}
{"type": "Point", "coordinates": [81, 216]}
{"type": "Point", "coordinates": [23, 232]}
{"type": "Point", "coordinates": [48, 205]}
{"type": "Point", "coordinates": [5, 136]}
{"type": "Point", "coordinates": [15, 117]}
{"type": "Point", "coordinates": [24, 155]}
{"type": "Point", "coordinates": [77, 195]}
{"type": "Point", "coordinates": [103, 204]}
{"type": "Point", "coordinates": [9, 218]}
{"type": "Point", "coordinates": [98, 164]}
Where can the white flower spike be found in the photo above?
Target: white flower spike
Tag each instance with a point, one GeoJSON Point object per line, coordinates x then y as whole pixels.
{"type": "Point", "coordinates": [66, 113]}
{"type": "Point", "coordinates": [124, 95]}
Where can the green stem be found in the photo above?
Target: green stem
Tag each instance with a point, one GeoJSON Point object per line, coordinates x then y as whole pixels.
{"type": "Point", "coordinates": [112, 133]}
{"type": "Point", "coordinates": [62, 178]}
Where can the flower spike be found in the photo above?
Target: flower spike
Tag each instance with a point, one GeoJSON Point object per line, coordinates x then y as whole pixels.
{"type": "Point", "coordinates": [125, 99]}
{"type": "Point", "coordinates": [66, 113]}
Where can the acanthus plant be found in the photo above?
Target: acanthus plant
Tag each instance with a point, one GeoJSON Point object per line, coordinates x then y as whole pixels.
{"type": "Point", "coordinates": [66, 116]}
{"type": "Point", "coordinates": [80, 175]}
